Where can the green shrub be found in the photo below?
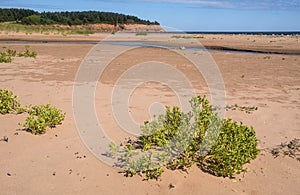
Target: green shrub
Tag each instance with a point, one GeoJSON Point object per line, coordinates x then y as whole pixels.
{"type": "Point", "coordinates": [5, 58]}
{"type": "Point", "coordinates": [236, 145]}
{"type": "Point", "coordinates": [33, 19]}
{"type": "Point", "coordinates": [27, 53]}
{"type": "Point", "coordinates": [178, 140]}
{"type": "Point", "coordinates": [9, 102]}
{"type": "Point", "coordinates": [158, 133]}
{"type": "Point", "coordinates": [42, 116]}
{"type": "Point", "coordinates": [35, 125]}
{"type": "Point", "coordinates": [11, 52]}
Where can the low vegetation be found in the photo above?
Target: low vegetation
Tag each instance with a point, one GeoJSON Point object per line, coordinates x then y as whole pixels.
{"type": "Point", "coordinates": [27, 53]}
{"type": "Point", "coordinates": [9, 102]}
{"type": "Point", "coordinates": [247, 109]}
{"type": "Point", "coordinates": [141, 34]}
{"type": "Point", "coordinates": [178, 140]}
{"type": "Point", "coordinates": [7, 27]}
{"type": "Point", "coordinates": [8, 55]}
{"type": "Point", "coordinates": [182, 37]}
{"type": "Point", "coordinates": [40, 117]}
{"type": "Point", "coordinates": [290, 148]}
{"type": "Point", "coordinates": [5, 58]}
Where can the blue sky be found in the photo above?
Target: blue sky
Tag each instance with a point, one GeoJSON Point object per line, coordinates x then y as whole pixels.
{"type": "Point", "coordinates": [188, 15]}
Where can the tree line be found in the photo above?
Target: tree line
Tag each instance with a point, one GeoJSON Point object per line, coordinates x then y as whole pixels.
{"type": "Point", "coordinates": [31, 17]}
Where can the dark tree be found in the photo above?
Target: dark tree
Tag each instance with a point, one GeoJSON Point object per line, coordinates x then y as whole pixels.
{"type": "Point", "coordinates": [30, 17]}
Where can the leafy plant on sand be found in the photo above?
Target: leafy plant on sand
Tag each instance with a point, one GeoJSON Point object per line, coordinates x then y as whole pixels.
{"type": "Point", "coordinates": [27, 53]}
{"type": "Point", "coordinates": [178, 140]}
{"type": "Point", "coordinates": [5, 58]}
{"type": "Point", "coordinates": [9, 102]}
{"type": "Point", "coordinates": [42, 116]}
{"type": "Point", "coordinates": [8, 55]}
{"type": "Point", "coordinates": [236, 145]}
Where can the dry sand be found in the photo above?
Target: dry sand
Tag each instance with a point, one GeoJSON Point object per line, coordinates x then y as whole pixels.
{"type": "Point", "coordinates": [264, 43]}
{"type": "Point", "coordinates": [59, 163]}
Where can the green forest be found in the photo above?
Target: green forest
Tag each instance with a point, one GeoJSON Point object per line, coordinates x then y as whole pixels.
{"type": "Point", "coordinates": [31, 17]}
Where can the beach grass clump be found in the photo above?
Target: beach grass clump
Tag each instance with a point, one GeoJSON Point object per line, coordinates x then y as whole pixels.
{"type": "Point", "coordinates": [43, 29]}
{"type": "Point", "coordinates": [178, 140]}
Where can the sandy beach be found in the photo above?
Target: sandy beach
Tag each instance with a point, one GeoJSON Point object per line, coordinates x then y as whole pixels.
{"type": "Point", "coordinates": [58, 162]}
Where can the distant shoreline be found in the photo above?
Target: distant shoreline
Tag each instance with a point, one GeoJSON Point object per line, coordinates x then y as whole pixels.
{"type": "Point", "coordinates": [59, 161]}
{"type": "Point", "coordinates": [234, 43]}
